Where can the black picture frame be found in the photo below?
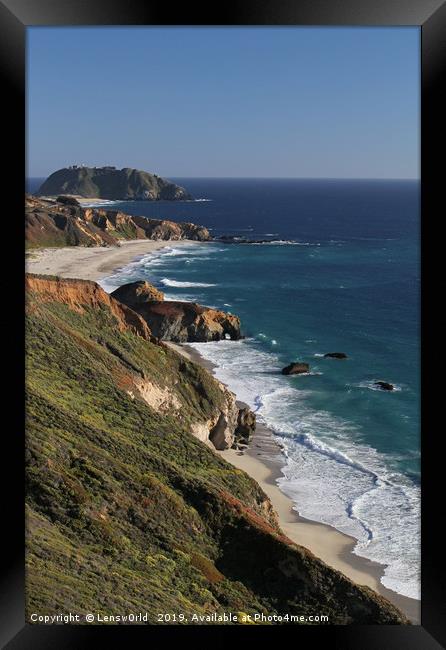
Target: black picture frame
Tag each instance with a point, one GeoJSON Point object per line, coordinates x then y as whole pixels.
{"type": "Point", "coordinates": [15, 17]}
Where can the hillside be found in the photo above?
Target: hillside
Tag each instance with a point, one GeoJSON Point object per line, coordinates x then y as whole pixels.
{"type": "Point", "coordinates": [112, 183]}
{"type": "Point", "coordinates": [127, 509]}
{"type": "Point", "coordinates": [62, 223]}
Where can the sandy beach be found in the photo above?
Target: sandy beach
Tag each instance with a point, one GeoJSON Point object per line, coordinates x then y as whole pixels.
{"type": "Point", "coordinates": [263, 460]}
{"type": "Point", "coordinates": [92, 263]}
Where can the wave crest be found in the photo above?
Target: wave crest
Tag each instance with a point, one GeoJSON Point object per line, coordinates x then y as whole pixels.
{"type": "Point", "coordinates": [167, 282]}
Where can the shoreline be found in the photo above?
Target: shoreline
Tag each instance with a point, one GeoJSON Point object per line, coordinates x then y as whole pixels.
{"type": "Point", "coordinates": [94, 263]}
{"type": "Point", "coordinates": [263, 459]}
{"type": "Point", "coordinates": [83, 201]}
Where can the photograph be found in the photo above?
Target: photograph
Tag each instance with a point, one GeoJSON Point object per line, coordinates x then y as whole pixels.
{"type": "Point", "coordinates": [222, 325]}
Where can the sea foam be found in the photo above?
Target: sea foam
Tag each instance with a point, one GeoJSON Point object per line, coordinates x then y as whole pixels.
{"type": "Point", "coordinates": [167, 282]}
{"type": "Point", "coordinates": [328, 473]}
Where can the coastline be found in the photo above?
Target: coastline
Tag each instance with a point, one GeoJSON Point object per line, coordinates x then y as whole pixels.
{"type": "Point", "coordinates": [263, 459]}
{"type": "Point", "coordinates": [96, 262]}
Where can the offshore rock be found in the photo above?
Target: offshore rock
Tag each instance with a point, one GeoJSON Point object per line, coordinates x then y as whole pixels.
{"type": "Point", "coordinates": [296, 368]}
{"type": "Point", "coordinates": [384, 385]}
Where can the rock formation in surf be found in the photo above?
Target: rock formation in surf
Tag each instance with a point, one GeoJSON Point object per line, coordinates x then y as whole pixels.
{"type": "Point", "coordinates": [178, 321]}
{"type": "Point", "coordinates": [384, 385]}
{"type": "Point", "coordinates": [295, 368]}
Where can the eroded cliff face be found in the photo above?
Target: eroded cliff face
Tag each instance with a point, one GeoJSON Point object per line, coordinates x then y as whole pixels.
{"type": "Point", "coordinates": [64, 223]}
{"type": "Point", "coordinates": [115, 480]}
{"type": "Point", "coordinates": [184, 321]}
{"type": "Point", "coordinates": [178, 321]}
{"type": "Point", "coordinates": [218, 430]}
{"type": "Point", "coordinates": [79, 295]}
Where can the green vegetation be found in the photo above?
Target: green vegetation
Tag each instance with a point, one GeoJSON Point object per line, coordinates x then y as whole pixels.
{"type": "Point", "coordinates": [65, 223]}
{"type": "Point", "coordinates": [127, 511]}
{"type": "Point", "coordinates": [111, 183]}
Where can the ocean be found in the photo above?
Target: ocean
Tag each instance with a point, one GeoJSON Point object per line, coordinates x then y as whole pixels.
{"type": "Point", "coordinates": [341, 274]}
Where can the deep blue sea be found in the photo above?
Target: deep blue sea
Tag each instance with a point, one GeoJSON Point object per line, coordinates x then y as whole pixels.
{"type": "Point", "coordinates": [349, 282]}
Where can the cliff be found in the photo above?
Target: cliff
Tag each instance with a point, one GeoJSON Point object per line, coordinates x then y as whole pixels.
{"type": "Point", "coordinates": [178, 321]}
{"type": "Point", "coordinates": [126, 509]}
{"type": "Point", "coordinates": [112, 183]}
{"type": "Point", "coordinates": [65, 223]}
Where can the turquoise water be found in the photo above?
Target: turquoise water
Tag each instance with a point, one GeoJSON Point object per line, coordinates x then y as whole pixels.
{"type": "Point", "coordinates": [349, 283]}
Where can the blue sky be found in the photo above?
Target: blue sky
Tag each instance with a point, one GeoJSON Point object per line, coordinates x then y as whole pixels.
{"type": "Point", "coordinates": [230, 102]}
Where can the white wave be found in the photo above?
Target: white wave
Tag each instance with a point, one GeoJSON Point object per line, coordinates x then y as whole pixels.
{"type": "Point", "coordinates": [100, 204]}
{"type": "Point", "coordinates": [176, 297]}
{"type": "Point", "coordinates": [151, 262]}
{"type": "Point", "coordinates": [176, 283]}
{"type": "Point", "coordinates": [331, 476]}
{"type": "Point", "coordinates": [283, 242]}
{"type": "Point", "coordinates": [181, 252]}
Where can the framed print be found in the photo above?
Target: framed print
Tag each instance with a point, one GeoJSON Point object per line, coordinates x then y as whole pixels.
{"type": "Point", "coordinates": [228, 336]}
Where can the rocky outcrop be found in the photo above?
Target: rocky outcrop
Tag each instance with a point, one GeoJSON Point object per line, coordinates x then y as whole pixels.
{"type": "Point", "coordinates": [68, 200]}
{"type": "Point", "coordinates": [138, 293]}
{"type": "Point", "coordinates": [295, 368]}
{"type": "Point", "coordinates": [222, 433]}
{"type": "Point", "coordinates": [218, 431]}
{"type": "Point", "coordinates": [183, 321]}
{"type": "Point", "coordinates": [58, 224]}
{"type": "Point", "coordinates": [335, 355]}
{"type": "Point", "coordinates": [111, 183]}
{"type": "Point", "coordinates": [64, 222]}
{"type": "Point", "coordinates": [178, 321]}
{"type": "Point", "coordinates": [229, 427]}
{"type": "Point", "coordinates": [384, 385]}
{"type": "Point", "coordinates": [161, 229]}
{"type": "Point", "coordinates": [246, 425]}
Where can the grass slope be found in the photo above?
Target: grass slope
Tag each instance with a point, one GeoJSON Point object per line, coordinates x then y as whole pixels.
{"type": "Point", "coordinates": [128, 512]}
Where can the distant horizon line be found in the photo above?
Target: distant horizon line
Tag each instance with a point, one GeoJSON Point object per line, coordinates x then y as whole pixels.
{"type": "Point", "coordinates": [296, 178]}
